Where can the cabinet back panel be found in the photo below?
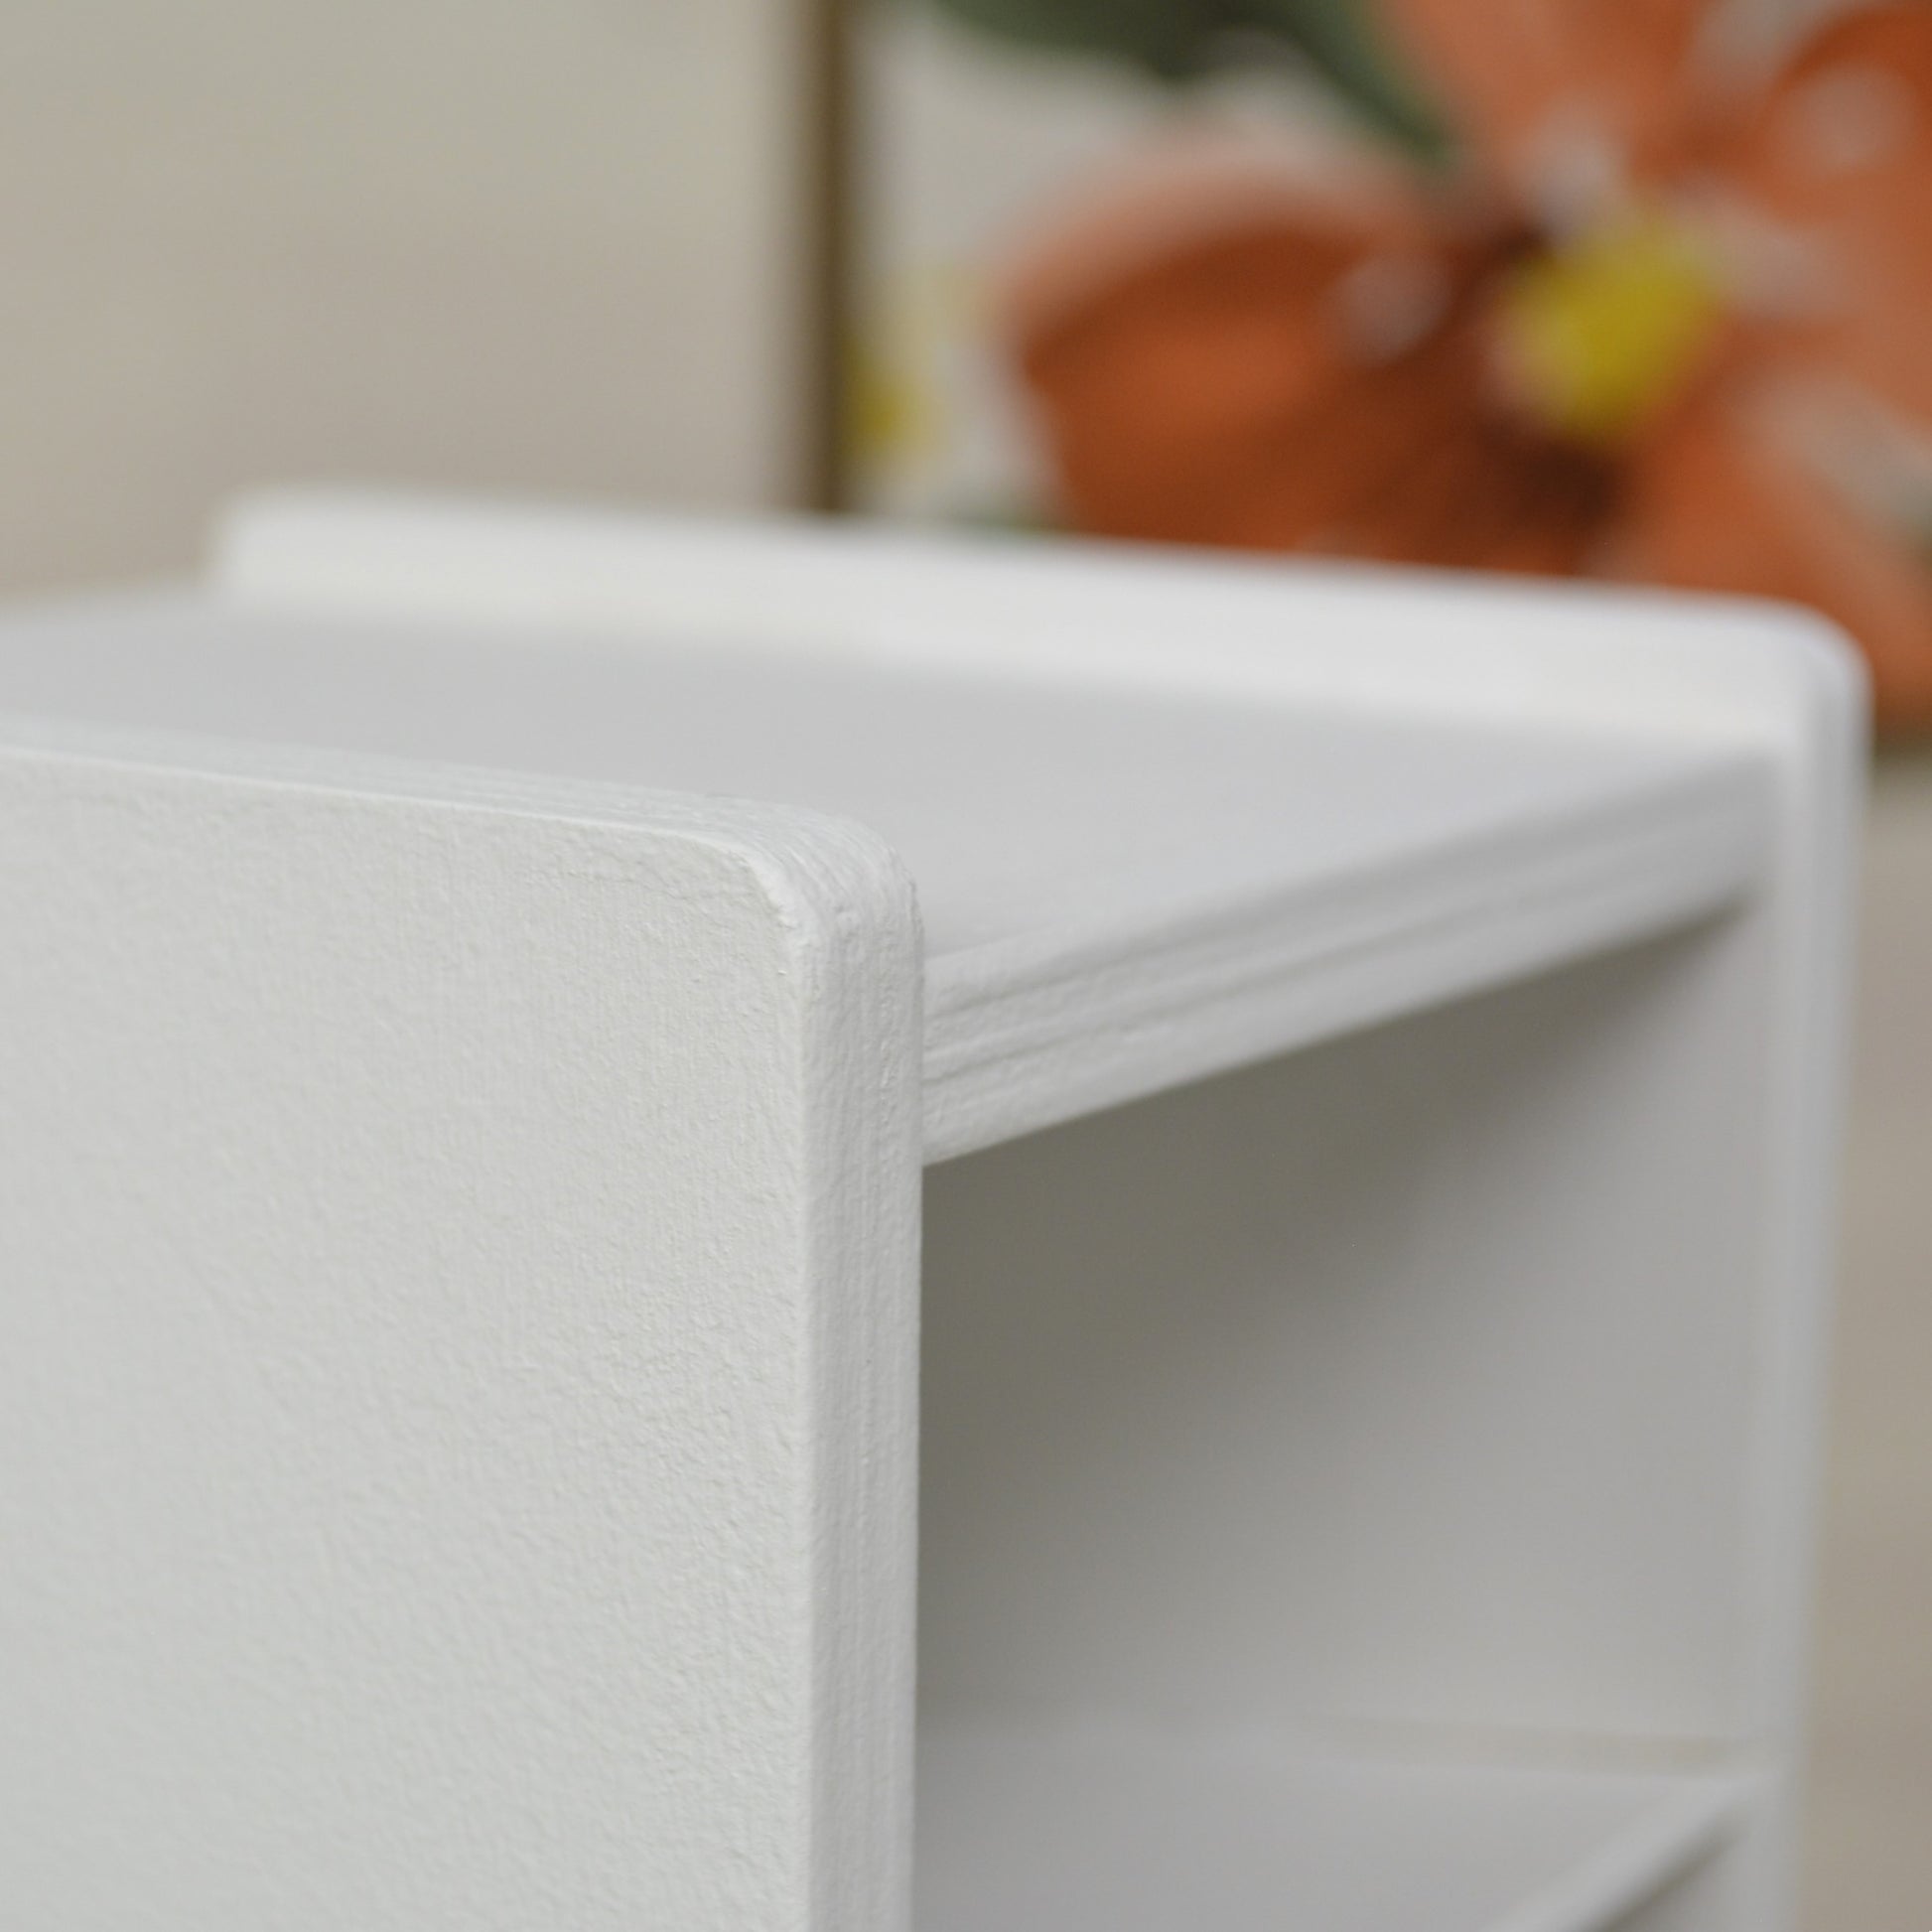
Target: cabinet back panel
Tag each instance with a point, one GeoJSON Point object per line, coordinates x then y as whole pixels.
{"type": "Point", "coordinates": [1416, 1379]}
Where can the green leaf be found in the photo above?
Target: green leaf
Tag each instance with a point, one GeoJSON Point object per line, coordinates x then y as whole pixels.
{"type": "Point", "coordinates": [1341, 41]}
{"type": "Point", "coordinates": [1163, 38]}
{"type": "Point", "coordinates": [1175, 41]}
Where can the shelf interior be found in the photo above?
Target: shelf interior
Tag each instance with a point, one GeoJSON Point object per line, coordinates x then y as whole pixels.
{"type": "Point", "coordinates": [1034, 1830]}
{"type": "Point", "coordinates": [1122, 887]}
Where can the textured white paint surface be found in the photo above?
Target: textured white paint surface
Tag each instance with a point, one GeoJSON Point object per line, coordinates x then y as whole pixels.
{"type": "Point", "coordinates": [459, 1231]}
{"type": "Point", "coordinates": [1127, 880]}
{"type": "Point", "coordinates": [458, 1246]}
{"type": "Point", "coordinates": [1695, 745]}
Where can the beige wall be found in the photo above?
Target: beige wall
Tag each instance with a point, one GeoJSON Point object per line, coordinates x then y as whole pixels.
{"type": "Point", "coordinates": [529, 244]}
{"type": "Point", "coordinates": [1870, 1852]}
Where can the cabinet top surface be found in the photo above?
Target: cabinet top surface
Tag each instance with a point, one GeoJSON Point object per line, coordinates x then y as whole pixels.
{"type": "Point", "coordinates": [1164, 814]}
{"type": "Point", "coordinates": [1020, 808]}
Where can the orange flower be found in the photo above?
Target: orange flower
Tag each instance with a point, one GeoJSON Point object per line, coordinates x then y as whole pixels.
{"type": "Point", "coordinates": [1662, 327]}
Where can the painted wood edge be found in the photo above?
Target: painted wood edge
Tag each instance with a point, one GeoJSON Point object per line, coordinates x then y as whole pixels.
{"type": "Point", "coordinates": [1007, 1053]}
{"type": "Point", "coordinates": [1810, 918]}
{"type": "Point", "coordinates": [808, 862]}
{"type": "Point", "coordinates": [858, 949]}
{"type": "Point", "coordinates": [1426, 642]}
{"type": "Point", "coordinates": [1665, 1844]}
{"type": "Point", "coordinates": [849, 916]}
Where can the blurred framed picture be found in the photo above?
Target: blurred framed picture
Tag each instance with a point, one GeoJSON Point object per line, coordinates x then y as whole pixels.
{"type": "Point", "coordinates": [1632, 289]}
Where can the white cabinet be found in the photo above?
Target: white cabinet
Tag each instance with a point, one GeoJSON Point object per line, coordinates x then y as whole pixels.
{"type": "Point", "coordinates": [1357, 1052]}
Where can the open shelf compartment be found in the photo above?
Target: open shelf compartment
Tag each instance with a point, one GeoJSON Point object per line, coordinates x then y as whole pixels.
{"type": "Point", "coordinates": [1399, 1392]}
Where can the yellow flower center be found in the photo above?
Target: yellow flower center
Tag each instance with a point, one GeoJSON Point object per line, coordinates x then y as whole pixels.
{"type": "Point", "coordinates": [1601, 331]}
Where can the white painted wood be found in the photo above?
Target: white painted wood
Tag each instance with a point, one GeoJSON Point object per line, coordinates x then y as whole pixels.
{"type": "Point", "coordinates": [1417, 1376]}
{"type": "Point", "coordinates": [464, 1186]}
{"type": "Point", "coordinates": [1251, 1833]}
{"type": "Point", "coordinates": [1709, 678]}
{"type": "Point", "coordinates": [458, 1241]}
{"type": "Point", "coordinates": [1121, 892]}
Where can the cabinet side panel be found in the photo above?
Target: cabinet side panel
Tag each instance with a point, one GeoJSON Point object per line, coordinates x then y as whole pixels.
{"type": "Point", "coordinates": [428, 1494]}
